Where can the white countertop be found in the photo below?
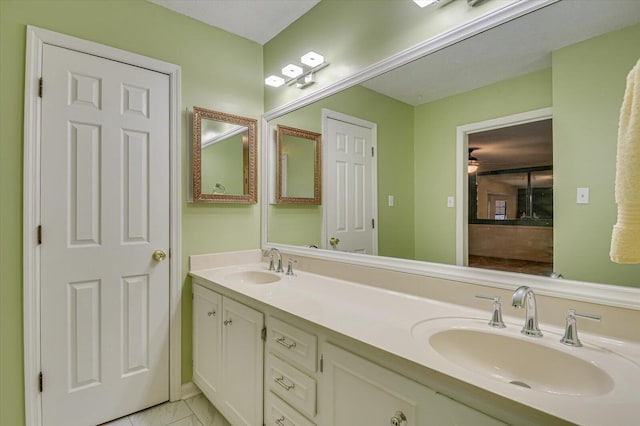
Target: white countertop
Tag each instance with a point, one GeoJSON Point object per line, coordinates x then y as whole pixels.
{"type": "Point", "coordinates": [385, 319]}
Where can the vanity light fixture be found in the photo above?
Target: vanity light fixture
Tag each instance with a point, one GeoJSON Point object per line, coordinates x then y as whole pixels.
{"type": "Point", "coordinates": [300, 76]}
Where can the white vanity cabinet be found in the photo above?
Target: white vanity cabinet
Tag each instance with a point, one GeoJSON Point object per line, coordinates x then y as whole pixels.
{"type": "Point", "coordinates": [356, 391]}
{"type": "Point", "coordinates": [228, 355]}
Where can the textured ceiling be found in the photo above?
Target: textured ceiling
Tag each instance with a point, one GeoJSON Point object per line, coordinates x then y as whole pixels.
{"type": "Point", "coordinates": [257, 20]}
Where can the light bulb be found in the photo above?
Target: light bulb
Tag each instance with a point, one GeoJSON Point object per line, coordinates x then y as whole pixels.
{"type": "Point", "coordinates": [292, 71]}
{"type": "Point", "coordinates": [312, 59]}
{"type": "Point", "coordinates": [274, 81]}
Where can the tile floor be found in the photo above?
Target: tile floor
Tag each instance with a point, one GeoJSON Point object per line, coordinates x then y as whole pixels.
{"type": "Point", "coordinates": [195, 411]}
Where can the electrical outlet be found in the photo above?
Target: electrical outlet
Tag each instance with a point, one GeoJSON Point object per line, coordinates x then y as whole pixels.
{"type": "Point", "coordinates": [391, 201]}
{"type": "Point", "coordinates": [583, 196]}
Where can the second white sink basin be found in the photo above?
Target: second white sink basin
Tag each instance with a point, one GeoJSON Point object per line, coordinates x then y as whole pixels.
{"type": "Point", "coordinates": [521, 363]}
{"type": "Point", "coordinates": [468, 348]}
{"type": "Point", "coordinates": [252, 277]}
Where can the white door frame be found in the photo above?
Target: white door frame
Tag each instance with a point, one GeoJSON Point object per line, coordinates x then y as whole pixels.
{"type": "Point", "coordinates": [462, 180]}
{"type": "Point", "coordinates": [326, 115]}
{"type": "Point", "coordinates": [36, 38]}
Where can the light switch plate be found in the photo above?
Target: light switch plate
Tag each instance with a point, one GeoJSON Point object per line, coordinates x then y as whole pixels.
{"type": "Point", "coordinates": [391, 201]}
{"type": "Point", "coordinates": [451, 201]}
{"type": "Point", "coordinates": [583, 196]}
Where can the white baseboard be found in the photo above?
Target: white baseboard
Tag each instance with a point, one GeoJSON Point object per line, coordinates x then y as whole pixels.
{"type": "Point", "coordinates": [189, 390]}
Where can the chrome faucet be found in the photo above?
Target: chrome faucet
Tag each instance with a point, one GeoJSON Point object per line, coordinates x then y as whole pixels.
{"type": "Point", "coordinates": [269, 254]}
{"type": "Point", "coordinates": [524, 298]}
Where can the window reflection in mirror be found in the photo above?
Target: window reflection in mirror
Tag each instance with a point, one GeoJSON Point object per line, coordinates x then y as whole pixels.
{"type": "Point", "coordinates": [224, 157]}
{"type": "Point", "coordinates": [298, 166]}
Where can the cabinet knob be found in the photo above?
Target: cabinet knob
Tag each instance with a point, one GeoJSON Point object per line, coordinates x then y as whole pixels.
{"type": "Point", "coordinates": [211, 313]}
{"type": "Point", "coordinates": [399, 419]}
{"type": "Point", "coordinates": [280, 421]}
{"type": "Point", "coordinates": [227, 322]}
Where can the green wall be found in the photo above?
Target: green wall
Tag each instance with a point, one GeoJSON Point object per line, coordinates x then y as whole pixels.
{"type": "Point", "coordinates": [588, 86]}
{"type": "Point", "coordinates": [435, 152]}
{"type": "Point", "coordinates": [220, 71]}
{"type": "Point", "coordinates": [354, 34]}
{"type": "Point", "coordinates": [395, 171]}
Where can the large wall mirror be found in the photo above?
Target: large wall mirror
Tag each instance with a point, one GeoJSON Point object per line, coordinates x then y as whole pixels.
{"type": "Point", "coordinates": [566, 63]}
{"type": "Point", "coordinates": [298, 154]}
{"type": "Point", "coordinates": [224, 157]}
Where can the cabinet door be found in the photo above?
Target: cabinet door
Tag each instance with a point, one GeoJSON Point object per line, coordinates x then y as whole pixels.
{"type": "Point", "coordinates": [357, 392]}
{"type": "Point", "coordinates": [207, 350]}
{"type": "Point", "coordinates": [242, 358]}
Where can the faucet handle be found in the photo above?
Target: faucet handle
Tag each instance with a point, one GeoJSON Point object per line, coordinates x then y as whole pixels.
{"type": "Point", "coordinates": [496, 317]}
{"type": "Point", "coordinates": [290, 264]}
{"type": "Point", "coordinates": [571, 331]}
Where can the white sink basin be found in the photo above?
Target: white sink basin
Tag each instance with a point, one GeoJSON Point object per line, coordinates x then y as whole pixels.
{"type": "Point", "coordinates": [470, 349]}
{"type": "Point", "coordinates": [252, 277]}
{"type": "Point", "coordinates": [521, 363]}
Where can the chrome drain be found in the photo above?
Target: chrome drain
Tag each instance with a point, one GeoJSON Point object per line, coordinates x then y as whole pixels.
{"type": "Point", "coordinates": [521, 384]}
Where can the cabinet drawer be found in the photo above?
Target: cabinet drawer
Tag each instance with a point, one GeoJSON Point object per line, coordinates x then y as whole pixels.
{"type": "Point", "coordinates": [279, 413]}
{"type": "Point", "coordinates": [292, 344]}
{"type": "Point", "coordinates": [292, 385]}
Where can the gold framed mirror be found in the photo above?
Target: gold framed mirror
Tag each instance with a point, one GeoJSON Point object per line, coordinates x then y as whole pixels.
{"type": "Point", "coordinates": [224, 160]}
{"type": "Point", "coordinates": [298, 166]}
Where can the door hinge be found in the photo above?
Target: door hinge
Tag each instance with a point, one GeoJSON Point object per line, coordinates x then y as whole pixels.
{"type": "Point", "coordinates": [372, 152]}
{"type": "Point", "coordinates": [373, 223]}
{"type": "Point", "coordinates": [40, 382]}
{"type": "Point", "coordinates": [321, 363]}
{"type": "Point", "coordinates": [40, 87]}
{"type": "Point", "coordinates": [264, 333]}
{"type": "Point", "coordinates": [39, 231]}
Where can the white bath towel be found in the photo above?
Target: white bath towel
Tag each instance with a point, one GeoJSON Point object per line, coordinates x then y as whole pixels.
{"type": "Point", "coordinates": [625, 241]}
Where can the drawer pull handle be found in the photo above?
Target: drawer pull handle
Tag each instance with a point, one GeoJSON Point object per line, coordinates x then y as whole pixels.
{"type": "Point", "coordinates": [280, 380]}
{"type": "Point", "coordinates": [211, 313]}
{"type": "Point", "coordinates": [280, 421]}
{"type": "Point", "coordinates": [228, 322]}
{"type": "Point", "coordinates": [284, 343]}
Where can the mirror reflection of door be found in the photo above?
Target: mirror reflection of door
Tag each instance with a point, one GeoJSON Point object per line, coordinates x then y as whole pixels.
{"type": "Point", "coordinates": [351, 176]}
{"type": "Point", "coordinates": [511, 199]}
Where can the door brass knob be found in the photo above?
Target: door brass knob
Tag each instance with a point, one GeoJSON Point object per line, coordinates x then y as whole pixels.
{"type": "Point", "coordinates": [159, 255]}
{"type": "Point", "coordinates": [334, 241]}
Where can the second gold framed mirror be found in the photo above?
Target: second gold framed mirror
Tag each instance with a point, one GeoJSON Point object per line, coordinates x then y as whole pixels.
{"type": "Point", "coordinates": [298, 166]}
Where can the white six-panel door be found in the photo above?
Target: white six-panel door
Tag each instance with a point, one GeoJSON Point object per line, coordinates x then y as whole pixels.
{"type": "Point", "coordinates": [350, 201]}
{"type": "Point", "coordinates": [104, 211]}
